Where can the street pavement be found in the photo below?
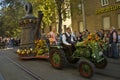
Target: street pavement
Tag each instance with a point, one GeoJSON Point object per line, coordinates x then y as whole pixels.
{"type": "Point", "coordinates": [9, 71]}
{"type": "Point", "coordinates": [1, 77]}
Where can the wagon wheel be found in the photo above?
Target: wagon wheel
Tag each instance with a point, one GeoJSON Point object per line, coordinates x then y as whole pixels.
{"type": "Point", "coordinates": [86, 68]}
{"type": "Point", "coordinates": [102, 64]}
{"type": "Point", "coordinates": [57, 58]}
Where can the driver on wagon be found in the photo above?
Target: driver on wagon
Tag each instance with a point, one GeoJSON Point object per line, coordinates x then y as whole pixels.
{"type": "Point", "coordinates": [68, 42]}
{"type": "Point", "coordinates": [67, 37]}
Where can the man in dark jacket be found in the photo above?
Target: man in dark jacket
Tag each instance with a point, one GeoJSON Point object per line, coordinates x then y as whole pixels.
{"type": "Point", "coordinates": [113, 40]}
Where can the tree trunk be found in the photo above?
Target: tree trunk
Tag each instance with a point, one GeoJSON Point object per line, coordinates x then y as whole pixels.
{"type": "Point", "coordinates": [60, 22]}
{"type": "Point", "coordinates": [59, 6]}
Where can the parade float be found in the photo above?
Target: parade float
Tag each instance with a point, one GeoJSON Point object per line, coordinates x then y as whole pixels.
{"type": "Point", "coordinates": [40, 51]}
{"type": "Point", "coordinates": [88, 55]}
{"type": "Point", "coordinates": [32, 45]}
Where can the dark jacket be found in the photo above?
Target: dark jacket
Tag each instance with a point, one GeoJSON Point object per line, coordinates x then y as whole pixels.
{"type": "Point", "coordinates": [68, 38]}
{"type": "Point", "coordinates": [111, 37]}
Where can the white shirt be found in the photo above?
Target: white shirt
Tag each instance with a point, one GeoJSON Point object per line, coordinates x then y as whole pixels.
{"type": "Point", "coordinates": [114, 37]}
{"type": "Point", "coordinates": [64, 39]}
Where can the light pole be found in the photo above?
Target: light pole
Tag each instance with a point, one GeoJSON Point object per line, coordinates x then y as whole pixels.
{"type": "Point", "coordinates": [83, 14]}
{"type": "Point", "coordinates": [82, 9]}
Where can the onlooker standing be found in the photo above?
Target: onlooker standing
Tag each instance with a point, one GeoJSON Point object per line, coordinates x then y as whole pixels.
{"type": "Point", "coordinates": [100, 33]}
{"type": "Point", "coordinates": [84, 35]}
{"type": "Point", "coordinates": [79, 37]}
{"type": "Point", "coordinates": [113, 39]}
{"type": "Point", "coordinates": [73, 35]}
{"type": "Point", "coordinates": [119, 43]}
{"type": "Point", "coordinates": [87, 32]}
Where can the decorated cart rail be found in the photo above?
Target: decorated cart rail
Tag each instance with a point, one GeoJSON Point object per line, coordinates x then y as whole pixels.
{"type": "Point", "coordinates": [88, 54]}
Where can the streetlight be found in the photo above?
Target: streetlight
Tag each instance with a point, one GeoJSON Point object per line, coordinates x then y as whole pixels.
{"type": "Point", "coordinates": [82, 10]}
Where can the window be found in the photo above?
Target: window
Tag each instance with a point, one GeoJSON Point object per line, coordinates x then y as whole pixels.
{"type": "Point", "coordinates": [106, 23]}
{"type": "Point", "coordinates": [104, 2]}
{"type": "Point", "coordinates": [119, 21]}
{"type": "Point", "coordinates": [117, 0]}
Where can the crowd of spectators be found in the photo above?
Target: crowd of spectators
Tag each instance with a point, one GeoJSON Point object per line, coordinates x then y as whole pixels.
{"type": "Point", "coordinates": [111, 37]}
{"type": "Point", "coordinates": [6, 42]}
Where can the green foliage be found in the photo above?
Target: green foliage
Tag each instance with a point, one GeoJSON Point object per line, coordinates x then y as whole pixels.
{"type": "Point", "coordinates": [82, 51]}
{"type": "Point", "coordinates": [10, 14]}
{"type": "Point", "coordinates": [12, 11]}
{"type": "Point", "coordinates": [92, 44]}
{"type": "Point", "coordinates": [47, 7]}
{"type": "Point", "coordinates": [52, 10]}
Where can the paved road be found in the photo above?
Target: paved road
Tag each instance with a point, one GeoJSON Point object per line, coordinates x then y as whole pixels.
{"type": "Point", "coordinates": [9, 71]}
{"type": "Point", "coordinates": [43, 69]}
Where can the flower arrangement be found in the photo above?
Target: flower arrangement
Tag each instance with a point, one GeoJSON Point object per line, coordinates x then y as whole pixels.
{"type": "Point", "coordinates": [92, 42]}
{"type": "Point", "coordinates": [26, 52]}
{"type": "Point", "coordinates": [91, 39]}
{"type": "Point", "coordinates": [40, 48]}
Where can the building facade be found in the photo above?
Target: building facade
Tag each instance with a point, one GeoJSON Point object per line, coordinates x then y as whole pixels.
{"type": "Point", "coordinates": [95, 14]}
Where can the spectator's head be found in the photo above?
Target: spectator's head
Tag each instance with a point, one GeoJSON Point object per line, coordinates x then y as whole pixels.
{"type": "Point", "coordinates": [80, 33]}
{"type": "Point", "coordinates": [83, 33]}
{"type": "Point", "coordinates": [54, 29]}
{"type": "Point", "coordinates": [68, 30]}
{"type": "Point", "coordinates": [86, 30]}
{"type": "Point", "coordinates": [48, 35]}
{"type": "Point", "coordinates": [112, 28]}
{"type": "Point", "coordinates": [102, 30]}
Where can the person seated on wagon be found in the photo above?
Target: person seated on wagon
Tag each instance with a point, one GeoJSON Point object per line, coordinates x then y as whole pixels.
{"type": "Point", "coordinates": [52, 36]}
{"type": "Point", "coordinates": [68, 41]}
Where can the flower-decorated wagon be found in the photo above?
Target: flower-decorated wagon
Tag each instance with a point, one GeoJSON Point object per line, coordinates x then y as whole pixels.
{"type": "Point", "coordinates": [31, 44]}
{"type": "Point", "coordinates": [40, 51]}
{"type": "Point", "coordinates": [88, 54]}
